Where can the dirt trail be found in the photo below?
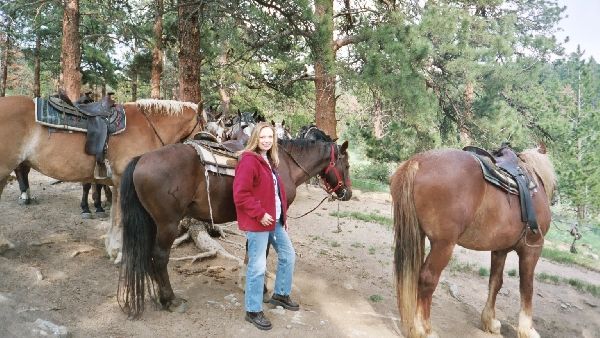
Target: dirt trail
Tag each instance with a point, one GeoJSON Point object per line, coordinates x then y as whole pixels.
{"type": "Point", "coordinates": [338, 275]}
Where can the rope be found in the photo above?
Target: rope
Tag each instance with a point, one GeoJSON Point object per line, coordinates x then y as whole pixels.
{"type": "Point", "coordinates": [212, 222]}
{"type": "Point", "coordinates": [311, 210]}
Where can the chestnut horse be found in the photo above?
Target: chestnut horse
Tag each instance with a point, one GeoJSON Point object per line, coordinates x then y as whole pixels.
{"type": "Point", "coordinates": [161, 187]}
{"type": "Point", "coordinates": [60, 154]}
{"type": "Point", "coordinates": [441, 195]}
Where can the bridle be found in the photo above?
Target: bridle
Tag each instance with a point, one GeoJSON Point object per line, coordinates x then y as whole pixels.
{"type": "Point", "coordinates": [198, 119]}
{"type": "Point", "coordinates": [331, 167]}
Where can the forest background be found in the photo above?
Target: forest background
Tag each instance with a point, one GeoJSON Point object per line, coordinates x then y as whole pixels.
{"type": "Point", "coordinates": [393, 77]}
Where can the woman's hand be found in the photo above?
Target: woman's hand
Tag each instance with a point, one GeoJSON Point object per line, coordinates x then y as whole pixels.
{"type": "Point", "coordinates": [266, 220]}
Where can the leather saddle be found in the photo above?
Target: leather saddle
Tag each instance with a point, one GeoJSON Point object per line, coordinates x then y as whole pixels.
{"type": "Point", "coordinates": [502, 169]}
{"type": "Point", "coordinates": [219, 158]}
{"type": "Point", "coordinates": [97, 115]}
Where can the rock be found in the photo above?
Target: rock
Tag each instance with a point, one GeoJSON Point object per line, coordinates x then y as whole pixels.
{"type": "Point", "coordinates": [5, 245]}
{"type": "Point", "coordinates": [587, 302]}
{"type": "Point", "coordinates": [288, 326]}
{"type": "Point", "coordinates": [278, 310]}
{"type": "Point", "coordinates": [453, 290]}
{"type": "Point", "coordinates": [48, 327]}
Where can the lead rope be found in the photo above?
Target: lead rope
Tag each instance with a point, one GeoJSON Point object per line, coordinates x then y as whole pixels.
{"type": "Point", "coordinates": [212, 222]}
{"type": "Point", "coordinates": [339, 229]}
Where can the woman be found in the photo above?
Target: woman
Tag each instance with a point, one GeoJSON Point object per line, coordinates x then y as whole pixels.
{"type": "Point", "coordinates": [260, 203]}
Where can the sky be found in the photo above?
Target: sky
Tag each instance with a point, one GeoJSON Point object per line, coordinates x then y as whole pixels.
{"type": "Point", "coordinates": [582, 26]}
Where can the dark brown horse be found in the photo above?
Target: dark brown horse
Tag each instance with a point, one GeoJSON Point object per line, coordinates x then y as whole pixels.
{"type": "Point", "coordinates": [161, 187]}
{"type": "Point", "coordinates": [60, 154]}
{"type": "Point", "coordinates": [441, 195]}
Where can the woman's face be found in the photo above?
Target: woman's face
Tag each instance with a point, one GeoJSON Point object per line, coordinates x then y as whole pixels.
{"type": "Point", "coordinates": [265, 139]}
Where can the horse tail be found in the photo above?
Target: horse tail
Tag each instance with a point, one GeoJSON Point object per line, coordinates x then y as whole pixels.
{"type": "Point", "coordinates": [409, 241]}
{"type": "Point", "coordinates": [139, 236]}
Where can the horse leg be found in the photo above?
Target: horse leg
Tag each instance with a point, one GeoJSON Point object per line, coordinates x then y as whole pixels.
{"type": "Point", "coordinates": [160, 259]}
{"type": "Point", "coordinates": [107, 196]}
{"type": "Point", "coordinates": [528, 257]}
{"type": "Point", "coordinates": [488, 315]}
{"type": "Point", "coordinates": [22, 173]}
{"type": "Point", "coordinates": [97, 197]}
{"type": "Point", "coordinates": [113, 240]}
{"type": "Point", "coordinates": [85, 207]}
{"type": "Point", "coordinates": [429, 276]}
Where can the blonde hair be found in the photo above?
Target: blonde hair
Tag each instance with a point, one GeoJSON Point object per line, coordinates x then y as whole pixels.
{"type": "Point", "coordinates": [272, 153]}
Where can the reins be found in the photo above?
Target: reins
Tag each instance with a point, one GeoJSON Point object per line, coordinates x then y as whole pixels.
{"type": "Point", "coordinates": [326, 187]}
{"type": "Point", "coordinates": [153, 128]}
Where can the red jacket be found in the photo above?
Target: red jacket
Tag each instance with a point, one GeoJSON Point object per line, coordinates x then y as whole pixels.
{"type": "Point", "coordinates": [254, 192]}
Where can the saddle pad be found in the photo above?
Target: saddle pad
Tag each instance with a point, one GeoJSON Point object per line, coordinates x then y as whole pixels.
{"type": "Point", "coordinates": [496, 176]}
{"type": "Point", "coordinates": [68, 119]}
{"type": "Point", "coordinates": [215, 160]}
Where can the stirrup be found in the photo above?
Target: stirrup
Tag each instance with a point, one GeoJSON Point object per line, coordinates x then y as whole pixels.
{"type": "Point", "coordinates": [102, 171]}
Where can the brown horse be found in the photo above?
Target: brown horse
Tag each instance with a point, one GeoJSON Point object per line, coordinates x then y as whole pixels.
{"type": "Point", "coordinates": [60, 154]}
{"type": "Point", "coordinates": [161, 187]}
{"type": "Point", "coordinates": [441, 195]}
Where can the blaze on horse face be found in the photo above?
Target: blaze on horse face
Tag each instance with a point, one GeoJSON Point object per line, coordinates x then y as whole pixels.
{"type": "Point", "coordinates": [336, 176]}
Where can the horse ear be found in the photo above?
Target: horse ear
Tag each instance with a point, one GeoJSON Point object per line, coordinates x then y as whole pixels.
{"type": "Point", "coordinates": [542, 148]}
{"type": "Point", "coordinates": [344, 147]}
{"type": "Point", "coordinates": [273, 123]}
{"type": "Point", "coordinates": [283, 123]}
{"type": "Point", "coordinates": [239, 113]}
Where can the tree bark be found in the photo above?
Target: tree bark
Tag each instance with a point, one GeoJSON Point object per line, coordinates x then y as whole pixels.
{"type": "Point", "coordinates": [223, 90]}
{"type": "Point", "coordinates": [37, 64]}
{"type": "Point", "coordinates": [465, 134]}
{"type": "Point", "coordinates": [377, 115]}
{"type": "Point", "coordinates": [157, 52]}
{"type": "Point", "coordinates": [324, 54]}
{"type": "Point", "coordinates": [5, 59]}
{"type": "Point", "coordinates": [189, 52]}
{"type": "Point", "coordinates": [71, 50]}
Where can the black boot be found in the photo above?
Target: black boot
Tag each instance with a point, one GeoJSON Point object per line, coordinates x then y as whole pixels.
{"type": "Point", "coordinates": [285, 301]}
{"type": "Point", "coordinates": [259, 320]}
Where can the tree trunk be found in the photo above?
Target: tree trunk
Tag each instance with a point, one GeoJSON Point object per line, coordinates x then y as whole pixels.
{"type": "Point", "coordinates": [157, 52]}
{"type": "Point", "coordinates": [5, 59]}
{"type": "Point", "coordinates": [189, 52]}
{"type": "Point", "coordinates": [465, 134]}
{"type": "Point", "coordinates": [223, 92]}
{"type": "Point", "coordinates": [324, 54]}
{"type": "Point", "coordinates": [377, 114]}
{"type": "Point", "coordinates": [71, 50]}
{"type": "Point", "coordinates": [36, 64]}
{"type": "Point", "coordinates": [134, 85]}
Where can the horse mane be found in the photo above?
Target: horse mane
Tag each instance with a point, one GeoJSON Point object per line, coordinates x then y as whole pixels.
{"type": "Point", "coordinates": [300, 145]}
{"type": "Point", "coordinates": [540, 165]}
{"type": "Point", "coordinates": [164, 107]}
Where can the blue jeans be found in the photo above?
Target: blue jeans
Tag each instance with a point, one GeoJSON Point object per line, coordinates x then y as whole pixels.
{"type": "Point", "coordinates": [257, 265]}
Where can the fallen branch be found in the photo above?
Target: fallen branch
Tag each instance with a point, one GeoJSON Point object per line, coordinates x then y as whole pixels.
{"type": "Point", "coordinates": [180, 240]}
{"type": "Point", "coordinates": [194, 258]}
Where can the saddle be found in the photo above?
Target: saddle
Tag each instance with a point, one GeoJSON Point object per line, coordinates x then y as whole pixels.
{"type": "Point", "coordinates": [502, 170]}
{"type": "Point", "coordinates": [218, 158]}
{"type": "Point", "coordinates": [97, 119]}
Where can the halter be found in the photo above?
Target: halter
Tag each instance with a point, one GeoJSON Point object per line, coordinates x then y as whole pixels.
{"type": "Point", "coordinates": [329, 189]}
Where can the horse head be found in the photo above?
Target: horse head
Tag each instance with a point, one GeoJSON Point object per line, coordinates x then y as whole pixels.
{"type": "Point", "coordinates": [336, 176]}
{"type": "Point", "coordinates": [282, 132]}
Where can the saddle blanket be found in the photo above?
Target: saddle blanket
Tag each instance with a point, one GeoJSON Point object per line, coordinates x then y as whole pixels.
{"type": "Point", "coordinates": [48, 115]}
{"type": "Point", "coordinates": [214, 158]}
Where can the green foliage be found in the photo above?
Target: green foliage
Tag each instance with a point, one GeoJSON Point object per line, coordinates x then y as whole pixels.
{"type": "Point", "coordinates": [374, 218]}
{"type": "Point", "coordinates": [376, 298]}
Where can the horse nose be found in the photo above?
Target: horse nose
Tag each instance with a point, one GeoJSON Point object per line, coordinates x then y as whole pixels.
{"type": "Point", "coordinates": [346, 194]}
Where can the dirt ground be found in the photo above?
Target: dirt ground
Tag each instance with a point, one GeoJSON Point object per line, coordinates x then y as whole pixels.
{"type": "Point", "coordinates": [343, 281]}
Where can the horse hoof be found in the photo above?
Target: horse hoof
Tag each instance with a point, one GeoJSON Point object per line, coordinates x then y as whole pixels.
{"type": "Point", "coordinates": [24, 201]}
{"type": "Point", "coordinates": [86, 215]}
{"type": "Point", "coordinates": [178, 305]}
{"type": "Point", "coordinates": [101, 214]}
